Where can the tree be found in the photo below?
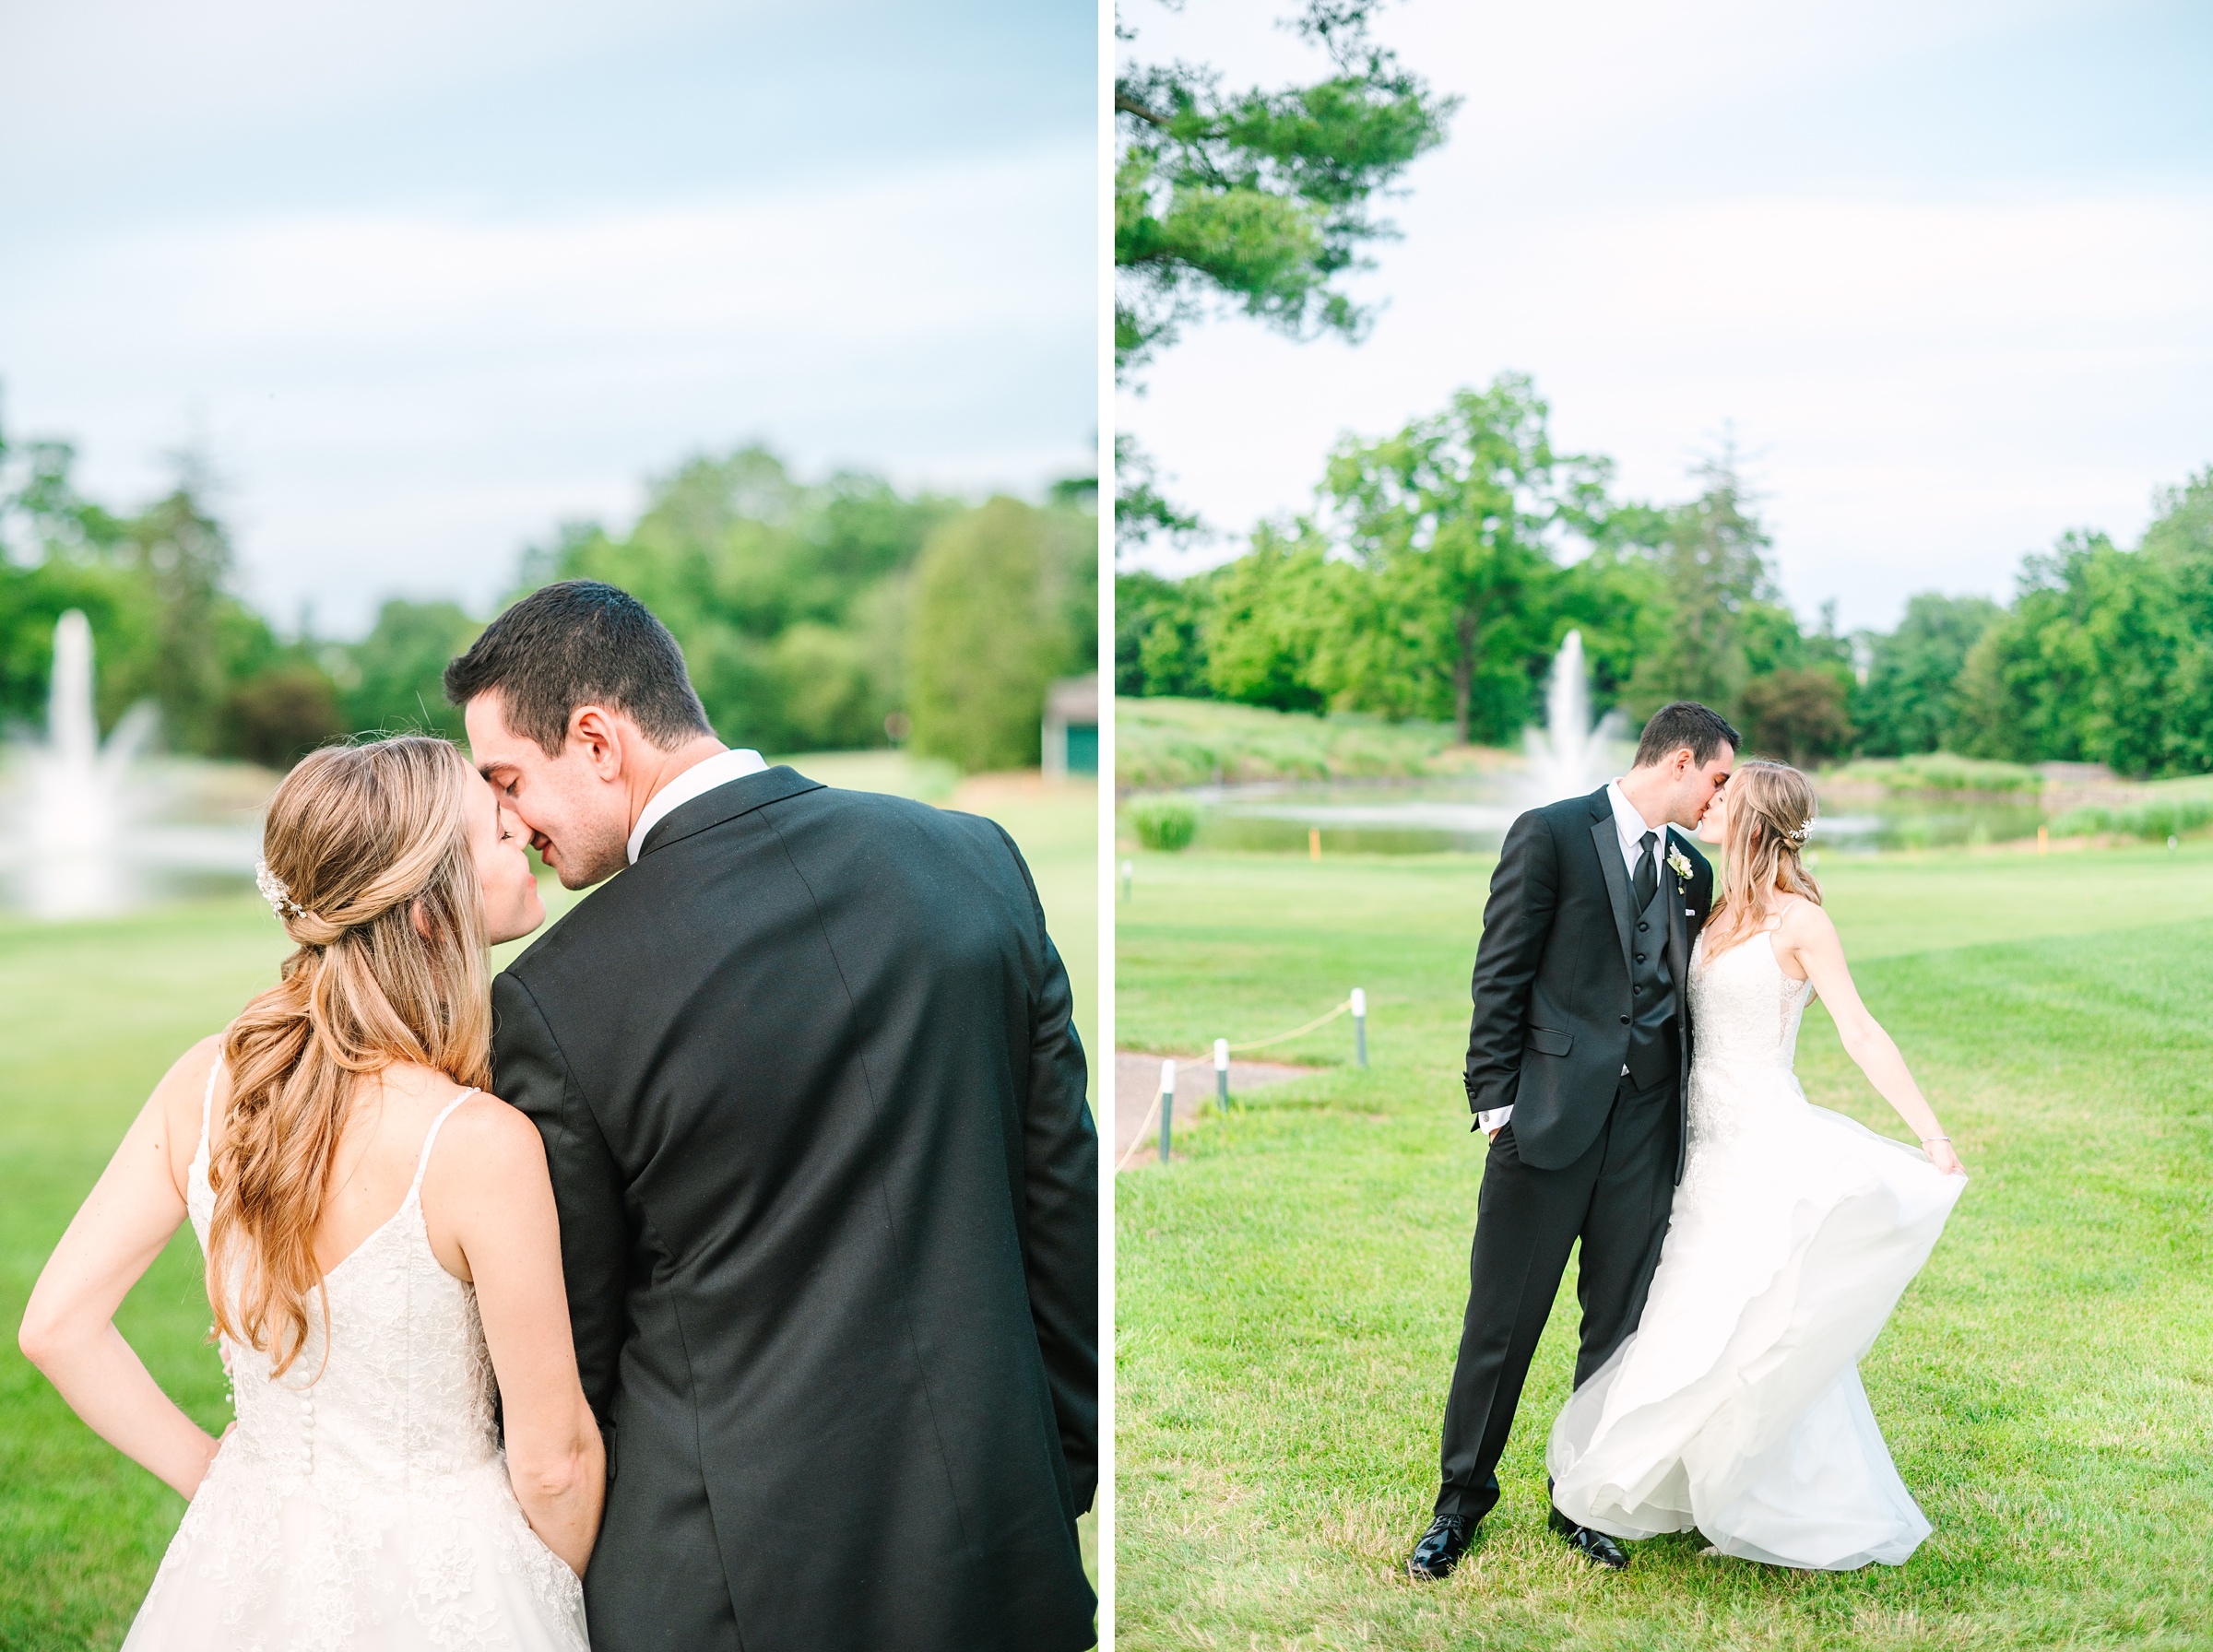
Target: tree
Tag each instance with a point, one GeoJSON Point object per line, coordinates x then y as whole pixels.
{"type": "Point", "coordinates": [1797, 712]}
{"type": "Point", "coordinates": [392, 681]}
{"type": "Point", "coordinates": [278, 716]}
{"type": "Point", "coordinates": [787, 596]}
{"type": "Point", "coordinates": [1722, 607]}
{"type": "Point", "coordinates": [1449, 518]}
{"type": "Point", "coordinates": [156, 588]}
{"type": "Point", "coordinates": [2106, 655]}
{"type": "Point", "coordinates": [1911, 701]}
{"type": "Point", "coordinates": [1269, 611]}
{"type": "Point", "coordinates": [1259, 200]}
{"type": "Point", "coordinates": [999, 610]}
{"type": "Point", "coordinates": [1256, 201]}
{"type": "Point", "coordinates": [1159, 634]}
{"type": "Point", "coordinates": [1140, 511]}
{"type": "Point", "coordinates": [2028, 679]}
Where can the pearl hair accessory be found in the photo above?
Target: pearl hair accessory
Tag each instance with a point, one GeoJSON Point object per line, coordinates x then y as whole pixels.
{"type": "Point", "coordinates": [273, 892]}
{"type": "Point", "coordinates": [1804, 831]}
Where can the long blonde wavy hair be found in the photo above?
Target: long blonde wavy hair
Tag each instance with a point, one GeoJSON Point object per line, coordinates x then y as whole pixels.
{"type": "Point", "coordinates": [370, 843]}
{"type": "Point", "coordinates": [1771, 810]}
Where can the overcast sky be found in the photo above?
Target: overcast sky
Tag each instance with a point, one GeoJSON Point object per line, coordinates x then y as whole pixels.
{"type": "Point", "coordinates": [425, 279]}
{"type": "Point", "coordinates": [1947, 269]}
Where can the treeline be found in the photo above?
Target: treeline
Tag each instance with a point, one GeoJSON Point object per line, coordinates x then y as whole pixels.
{"type": "Point", "coordinates": [1443, 564]}
{"type": "Point", "coordinates": [813, 614]}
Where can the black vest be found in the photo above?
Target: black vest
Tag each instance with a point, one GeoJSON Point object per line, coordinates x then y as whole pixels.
{"type": "Point", "coordinates": [1653, 1053]}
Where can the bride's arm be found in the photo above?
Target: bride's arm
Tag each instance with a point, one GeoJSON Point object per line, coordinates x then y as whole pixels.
{"type": "Point", "coordinates": [487, 1187]}
{"type": "Point", "coordinates": [68, 1326]}
{"type": "Point", "coordinates": [1809, 939]}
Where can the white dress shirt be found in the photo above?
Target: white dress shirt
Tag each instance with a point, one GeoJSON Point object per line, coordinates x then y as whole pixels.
{"type": "Point", "coordinates": [1629, 827]}
{"type": "Point", "coordinates": [696, 781]}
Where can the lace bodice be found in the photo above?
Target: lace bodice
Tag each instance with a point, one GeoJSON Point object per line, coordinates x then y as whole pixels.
{"type": "Point", "coordinates": [1744, 1010]}
{"type": "Point", "coordinates": [407, 1389]}
{"type": "Point", "coordinates": [1745, 1014]}
{"type": "Point", "coordinates": [363, 1503]}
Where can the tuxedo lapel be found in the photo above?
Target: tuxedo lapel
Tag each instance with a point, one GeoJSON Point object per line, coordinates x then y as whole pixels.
{"type": "Point", "coordinates": [1678, 928]}
{"type": "Point", "coordinates": [726, 802]}
{"type": "Point", "coordinates": [1608, 842]}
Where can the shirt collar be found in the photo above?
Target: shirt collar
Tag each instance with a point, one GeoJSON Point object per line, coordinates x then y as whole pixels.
{"type": "Point", "coordinates": [696, 781]}
{"type": "Point", "coordinates": [1630, 825]}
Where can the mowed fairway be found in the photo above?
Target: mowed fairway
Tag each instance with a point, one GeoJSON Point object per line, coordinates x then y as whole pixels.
{"type": "Point", "coordinates": [90, 1015]}
{"type": "Point", "coordinates": [1290, 1296]}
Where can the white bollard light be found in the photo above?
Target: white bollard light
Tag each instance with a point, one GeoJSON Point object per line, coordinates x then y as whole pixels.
{"type": "Point", "coordinates": [1221, 1073]}
{"type": "Point", "coordinates": [1167, 1106]}
{"type": "Point", "coordinates": [1359, 1027]}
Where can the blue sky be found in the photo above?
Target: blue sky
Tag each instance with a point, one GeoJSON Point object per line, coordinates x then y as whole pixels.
{"type": "Point", "coordinates": [425, 280]}
{"type": "Point", "coordinates": [1946, 271]}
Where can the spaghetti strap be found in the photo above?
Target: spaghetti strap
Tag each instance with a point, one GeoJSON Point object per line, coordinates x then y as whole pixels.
{"type": "Point", "coordinates": [208, 1106]}
{"type": "Point", "coordinates": [422, 1159]}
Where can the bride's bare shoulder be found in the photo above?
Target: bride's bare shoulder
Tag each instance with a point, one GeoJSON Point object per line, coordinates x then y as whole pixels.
{"type": "Point", "coordinates": [181, 1098]}
{"type": "Point", "coordinates": [1807, 921]}
{"type": "Point", "coordinates": [490, 1139]}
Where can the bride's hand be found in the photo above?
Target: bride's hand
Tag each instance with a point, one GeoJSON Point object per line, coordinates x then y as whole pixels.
{"type": "Point", "coordinates": [1939, 1150]}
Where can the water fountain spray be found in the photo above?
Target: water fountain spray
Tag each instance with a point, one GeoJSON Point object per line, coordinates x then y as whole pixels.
{"type": "Point", "coordinates": [80, 801]}
{"type": "Point", "coordinates": [1570, 755]}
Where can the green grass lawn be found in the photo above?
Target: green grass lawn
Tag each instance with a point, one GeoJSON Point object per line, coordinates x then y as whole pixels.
{"type": "Point", "coordinates": [1290, 1296]}
{"type": "Point", "coordinates": [90, 1015]}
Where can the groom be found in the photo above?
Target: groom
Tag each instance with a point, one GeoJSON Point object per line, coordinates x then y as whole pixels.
{"type": "Point", "coordinates": [1577, 1058]}
{"type": "Point", "coordinates": [815, 1112]}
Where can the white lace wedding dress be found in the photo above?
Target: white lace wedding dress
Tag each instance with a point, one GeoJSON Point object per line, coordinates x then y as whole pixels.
{"type": "Point", "coordinates": [1735, 1407]}
{"type": "Point", "coordinates": [367, 1508]}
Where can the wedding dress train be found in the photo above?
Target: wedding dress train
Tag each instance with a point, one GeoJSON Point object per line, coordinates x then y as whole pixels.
{"type": "Point", "coordinates": [1735, 1407]}
{"type": "Point", "coordinates": [362, 1501]}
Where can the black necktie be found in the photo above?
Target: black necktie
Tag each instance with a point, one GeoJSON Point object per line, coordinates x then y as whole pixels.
{"type": "Point", "coordinates": [1648, 871]}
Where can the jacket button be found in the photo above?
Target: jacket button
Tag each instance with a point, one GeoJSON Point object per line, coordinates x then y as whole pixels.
{"type": "Point", "coordinates": [1640, 958]}
{"type": "Point", "coordinates": [1625, 1020]}
{"type": "Point", "coordinates": [1642, 927]}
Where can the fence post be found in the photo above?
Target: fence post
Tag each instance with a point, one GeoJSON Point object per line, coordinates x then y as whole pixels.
{"type": "Point", "coordinates": [1167, 1106]}
{"type": "Point", "coordinates": [1222, 1074]}
{"type": "Point", "coordinates": [1359, 1027]}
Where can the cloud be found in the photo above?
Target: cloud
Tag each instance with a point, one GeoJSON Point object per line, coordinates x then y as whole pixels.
{"type": "Point", "coordinates": [1838, 231]}
{"type": "Point", "coordinates": [1926, 390]}
{"type": "Point", "coordinates": [401, 398]}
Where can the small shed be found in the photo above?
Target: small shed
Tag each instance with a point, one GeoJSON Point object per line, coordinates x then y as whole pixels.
{"type": "Point", "coordinates": [1071, 726]}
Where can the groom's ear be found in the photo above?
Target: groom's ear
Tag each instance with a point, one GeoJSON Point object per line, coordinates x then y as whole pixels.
{"type": "Point", "coordinates": [598, 735]}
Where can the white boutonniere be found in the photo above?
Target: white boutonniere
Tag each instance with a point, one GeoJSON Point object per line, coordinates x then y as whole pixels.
{"type": "Point", "coordinates": [1679, 863]}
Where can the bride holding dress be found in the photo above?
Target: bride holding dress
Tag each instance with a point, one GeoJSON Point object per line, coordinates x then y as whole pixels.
{"type": "Point", "coordinates": [1735, 1407]}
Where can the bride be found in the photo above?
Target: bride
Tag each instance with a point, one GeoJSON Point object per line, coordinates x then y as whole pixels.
{"type": "Point", "coordinates": [372, 1294]}
{"type": "Point", "coordinates": [1735, 1407]}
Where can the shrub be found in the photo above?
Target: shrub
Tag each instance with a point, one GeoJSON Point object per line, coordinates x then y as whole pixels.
{"type": "Point", "coordinates": [1165, 823]}
{"type": "Point", "coordinates": [2160, 818]}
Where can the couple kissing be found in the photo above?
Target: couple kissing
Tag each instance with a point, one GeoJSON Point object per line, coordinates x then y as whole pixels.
{"type": "Point", "coordinates": [721, 1275]}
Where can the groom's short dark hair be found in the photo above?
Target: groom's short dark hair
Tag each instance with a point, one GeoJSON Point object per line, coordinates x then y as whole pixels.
{"type": "Point", "coordinates": [580, 643]}
{"type": "Point", "coordinates": [1682, 723]}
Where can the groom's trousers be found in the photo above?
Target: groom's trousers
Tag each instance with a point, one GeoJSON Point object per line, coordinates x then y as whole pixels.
{"type": "Point", "coordinates": [1616, 1199]}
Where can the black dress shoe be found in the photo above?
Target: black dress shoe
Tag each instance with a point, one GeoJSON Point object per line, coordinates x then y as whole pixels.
{"type": "Point", "coordinates": [1594, 1546]}
{"type": "Point", "coordinates": [1440, 1548]}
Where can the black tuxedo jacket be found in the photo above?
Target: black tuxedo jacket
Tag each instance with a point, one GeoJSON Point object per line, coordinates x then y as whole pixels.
{"type": "Point", "coordinates": [815, 1112]}
{"type": "Point", "coordinates": [1551, 1027]}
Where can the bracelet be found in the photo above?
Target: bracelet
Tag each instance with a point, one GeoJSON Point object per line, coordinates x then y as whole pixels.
{"type": "Point", "coordinates": [1926, 1139]}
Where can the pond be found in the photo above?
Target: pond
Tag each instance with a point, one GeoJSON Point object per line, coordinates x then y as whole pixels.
{"type": "Point", "coordinates": [1471, 815]}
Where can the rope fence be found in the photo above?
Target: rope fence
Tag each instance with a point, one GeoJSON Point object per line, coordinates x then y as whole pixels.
{"type": "Point", "coordinates": [1164, 1098]}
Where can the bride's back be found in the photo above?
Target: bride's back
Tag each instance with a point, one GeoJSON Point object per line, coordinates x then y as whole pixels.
{"type": "Point", "coordinates": [392, 1383]}
{"type": "Point", "coordinates": [333, 1081]}
{"type": "Point", "coordinates": [380, 1145]}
